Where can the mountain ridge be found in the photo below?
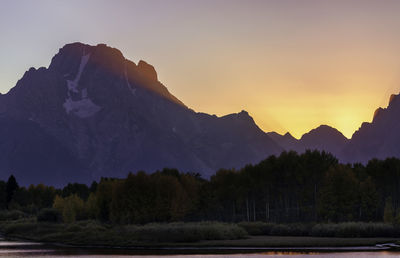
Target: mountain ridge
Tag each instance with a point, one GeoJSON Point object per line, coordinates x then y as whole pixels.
{"type": "Point", "coordinates": [376, 139]}
{"type": "Point", "coordinates": [113, 116]}
{"type": "Point", "coordinates": [106, 116]}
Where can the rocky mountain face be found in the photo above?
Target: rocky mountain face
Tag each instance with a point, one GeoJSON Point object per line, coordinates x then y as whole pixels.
{"type": "Point", "coordinates": [92, 113]}
{"type": "Point", "coordinates": [378, 139]}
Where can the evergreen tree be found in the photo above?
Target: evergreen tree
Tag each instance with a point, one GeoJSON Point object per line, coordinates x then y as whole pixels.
{"type": "Point", "coordinates": [11, 188]}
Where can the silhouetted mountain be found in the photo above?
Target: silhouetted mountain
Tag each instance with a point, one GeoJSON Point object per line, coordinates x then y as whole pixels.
{"type": "Point", "coordinates": [378, 139]}
{"type": "Point", "coordinates": [323, 138]}
{"type": "Point", "coordinates": [93, 113]}
{"type": "Point", "coordinates": [286, 141]}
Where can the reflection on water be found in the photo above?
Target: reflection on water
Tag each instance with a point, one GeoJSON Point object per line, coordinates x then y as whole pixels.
{"type": "Point", "coordinates": [27, 249]}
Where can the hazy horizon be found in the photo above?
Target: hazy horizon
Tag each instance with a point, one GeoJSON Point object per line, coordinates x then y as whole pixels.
{"type": "Point", "coordinates": [292, 65]}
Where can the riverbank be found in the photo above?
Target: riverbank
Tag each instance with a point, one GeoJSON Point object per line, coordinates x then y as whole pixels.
{"type": "Point", "coordinates": [205, 236]}
{"type": "Point", "coordinates": [32, 249]}
{"type": "Point", "coordinates": [252, 245]}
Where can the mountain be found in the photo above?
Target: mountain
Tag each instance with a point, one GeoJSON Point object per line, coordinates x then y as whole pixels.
{"type": "Point", "coordinates": [92, 113]}
{"type": "Point", "coordinates": [378, 139]}
{"type": "Point", "coordinates": [321, 138]}
{"type": "Point", "coordinates": [324, 138]}
{"type": "Point", "coordinates": [286, 141]}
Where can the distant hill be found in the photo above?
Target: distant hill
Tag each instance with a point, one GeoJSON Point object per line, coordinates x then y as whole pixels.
{"type": "Point", "coordinates": [321, 138]}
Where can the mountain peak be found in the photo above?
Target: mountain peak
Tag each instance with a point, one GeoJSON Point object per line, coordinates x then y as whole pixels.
{"type": "Point", "coordinates": [286, 141]}
{"type": "Point", "coordinates": [323, 130]}
{"type": "Point", "coordinates": [379, 138]}
{"type": "Point", "coordinates": [392, 97]}
{"type": "Point", "coordinates": [110, 64]}
{"type": "Point", "coordinates": [147, 70]}
{"type": "Point", "coordinates": [325, 138]}
{"type": "Point", "coordinates": [288, 135]}
{"type": "Point", "coordinates": [102, 55]}
{"type": "Point", "coordinates": [243, 113]}
{"type": "Point", "coordinates": [244, 116]}
{"type": "Point", "coordinates": [393, 105]}
{"type": "Point", "coordinates": [106, 116]}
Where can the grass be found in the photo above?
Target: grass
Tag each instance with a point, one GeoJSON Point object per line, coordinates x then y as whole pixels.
{"type": "Point", "coordinates": [11, 215]}
{"type": "Point", "coordinates": [186, 232]}
{"type": "Point", "coordinates": [94, 233]}
{"type": "Point", "coordinates": [272, 229]}
{"type": "Point", "coordinates": [201, 234]}
{"type": "Point", "coordinates": [297, 241]}
{"type": "Point", "coordinates": [355, 229]}
{"type": "Point", "coordinates": [342, 230]}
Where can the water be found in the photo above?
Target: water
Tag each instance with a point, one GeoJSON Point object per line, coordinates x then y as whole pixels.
{"type": "Point", "coordinates": [27, 249]}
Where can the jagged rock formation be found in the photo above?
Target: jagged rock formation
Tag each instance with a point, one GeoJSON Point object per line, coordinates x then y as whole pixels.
{"type": "Point", "coordinates": [378, 139]}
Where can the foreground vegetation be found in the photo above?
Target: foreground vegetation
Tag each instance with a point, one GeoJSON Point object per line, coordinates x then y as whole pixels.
{"type": "Point", "coordinates": [94, 233]}
{"type": "Point", "coordinates": [201, 234]}
{"type": "Point", "coordinates": [308, 195]}
{"type": "Point", "coordinates": [338, 230]}
{"type": "Point", "coordinates": [310, 188]}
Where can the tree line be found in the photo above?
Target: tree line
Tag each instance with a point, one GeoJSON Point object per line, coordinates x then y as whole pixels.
{"type": "Point", "coordinates": [291, 187]}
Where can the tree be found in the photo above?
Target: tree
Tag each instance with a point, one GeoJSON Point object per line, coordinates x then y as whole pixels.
{"type": "Point", "coordinates": [11, 187]}
{"type": "Point", "coordinates": [338, 196]}
{"type": "Point", "coordinates": [3, 195]}
{"type": "Point", "coordinates": [91, 206]}
{"type": "Point", "coordinates": [81, 190]}
{"type": "Point", "coordinates": [59, 203]}
{"type": "Point", "coordinates": [368, 200]}
{"type": "Point", "coordinates": [103, 198]}
{"type": "Point", "coordinates": [72, 208]}
{"type": "Point", "coordinates": [388, 213]}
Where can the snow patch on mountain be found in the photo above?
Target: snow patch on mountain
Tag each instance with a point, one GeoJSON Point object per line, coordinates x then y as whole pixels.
{"type": "Point", "coordinates": [73, 85]}
{"type": "Point", "coordinates": [133, 90]}
{"type": "Point", "coordinates": [83, 107]}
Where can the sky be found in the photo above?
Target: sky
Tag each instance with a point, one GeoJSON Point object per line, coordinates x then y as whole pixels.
{"type": "Point", "coordinates": [292, 64]}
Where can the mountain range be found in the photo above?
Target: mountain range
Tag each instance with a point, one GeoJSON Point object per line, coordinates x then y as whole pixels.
{"type": "Point", "coordinates": [92, 113]}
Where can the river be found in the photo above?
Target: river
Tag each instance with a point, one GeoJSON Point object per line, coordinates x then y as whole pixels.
{"type": "Point", "coordinates": [28, 249]}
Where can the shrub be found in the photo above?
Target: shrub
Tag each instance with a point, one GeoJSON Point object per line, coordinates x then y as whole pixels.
{"type": "Point", "coordinates": [20, 226]}
{"type": "Point", "coordinates": [187, 232]}
{"type": "Point", "coordinates": [12, 215]}
{"type": "Point", "coordinates": [355, 229]}
{"type": "Point", "coordinates": [263, 228]}
{"type": "Point", "coordinates": [257, 228]}
{"type": "Point", "coordinates": [49, 215]}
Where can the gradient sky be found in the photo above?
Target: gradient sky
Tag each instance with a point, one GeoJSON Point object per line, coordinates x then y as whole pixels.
{"type": "Point", "coordinates": [293, 65]}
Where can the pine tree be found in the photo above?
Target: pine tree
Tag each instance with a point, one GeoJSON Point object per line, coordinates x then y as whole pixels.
{"type": "Point", "coordinates": [11, 187]}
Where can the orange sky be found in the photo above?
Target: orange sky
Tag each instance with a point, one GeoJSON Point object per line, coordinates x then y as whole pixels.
{"type": "Point", "coordinates": [292, 64]}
